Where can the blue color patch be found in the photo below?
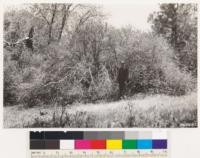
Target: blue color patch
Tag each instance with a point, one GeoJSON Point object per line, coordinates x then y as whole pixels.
{"type": "Point", "coordinates": [144, 144]}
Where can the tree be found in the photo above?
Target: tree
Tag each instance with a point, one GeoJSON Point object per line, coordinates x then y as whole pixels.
{"type": "Point", "coordinates": [66, 11]}
{"type": "Point", "coordinates": [76, 56]}
{"type": "Point", "coordinates": [178, 24]}
{"type": "Point", "coordinates": [48, 13]}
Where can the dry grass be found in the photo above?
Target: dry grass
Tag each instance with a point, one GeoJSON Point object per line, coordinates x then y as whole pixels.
{"type": "Point", "coordinates": [149, 111]}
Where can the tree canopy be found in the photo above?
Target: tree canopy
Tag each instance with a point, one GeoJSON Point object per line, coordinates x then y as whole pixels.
{"type": "Point", "coordinates": [76, 54]}
{"type": "Point", "coordinates": [177, 23]}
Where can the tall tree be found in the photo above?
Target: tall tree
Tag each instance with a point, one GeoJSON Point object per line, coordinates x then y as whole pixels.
{"type": "Point", "coordinates": [48, 13]}
{"type": "Point", "coordinates": [178, 24]}
{"type": "Point", "coordinates": [66, 12]}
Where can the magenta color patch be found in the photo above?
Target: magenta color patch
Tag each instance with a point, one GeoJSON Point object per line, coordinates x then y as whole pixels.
{"type": "Point", "coordinates": [82, 144]}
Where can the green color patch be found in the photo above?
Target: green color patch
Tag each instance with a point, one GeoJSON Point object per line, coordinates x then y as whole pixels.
{"type": "Point", "coordinates": [129, 144]}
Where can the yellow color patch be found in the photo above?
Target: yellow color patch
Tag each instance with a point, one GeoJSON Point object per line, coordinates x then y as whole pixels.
{"type": "Point", "coordinates": [113, 144]}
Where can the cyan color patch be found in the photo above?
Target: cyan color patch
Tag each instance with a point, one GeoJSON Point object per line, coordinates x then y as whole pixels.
{"type": "Point", "coordinates": [144, 144]}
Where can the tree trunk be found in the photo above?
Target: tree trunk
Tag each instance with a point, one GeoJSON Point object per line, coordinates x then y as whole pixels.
{"type": "Point", "coordinates": [51, 22]}
{"type": "Point", "coordinates": [64, 19]}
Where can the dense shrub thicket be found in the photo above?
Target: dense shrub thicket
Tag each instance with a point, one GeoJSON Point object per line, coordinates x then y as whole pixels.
{"type": "Point", "coordinates": [81, 65]}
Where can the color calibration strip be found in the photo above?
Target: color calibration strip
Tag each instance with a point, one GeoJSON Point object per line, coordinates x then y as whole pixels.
{"type": "Point", "coordinates": [104, 140]}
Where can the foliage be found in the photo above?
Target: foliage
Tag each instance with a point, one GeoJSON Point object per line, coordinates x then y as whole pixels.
{"type": "Point", "coordinates": [76, 57]}
{"type": "Point", "coordinates": [178, 24]}
{"type": "Point", "coordinates": [10, 87]}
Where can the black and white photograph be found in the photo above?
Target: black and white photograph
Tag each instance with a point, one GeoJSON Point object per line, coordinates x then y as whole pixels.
{"type": "Point", "coordinates": [71, 65]}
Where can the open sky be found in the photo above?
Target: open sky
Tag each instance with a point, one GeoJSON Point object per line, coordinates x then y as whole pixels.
{"type": "Point", "coordinates": [130, 14]}
{"type": "Point", "coordinates": [124, 14]}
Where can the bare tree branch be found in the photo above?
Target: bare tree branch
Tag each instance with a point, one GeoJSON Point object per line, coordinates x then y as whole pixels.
{"type": "Point", "coordinates": [43, 16]}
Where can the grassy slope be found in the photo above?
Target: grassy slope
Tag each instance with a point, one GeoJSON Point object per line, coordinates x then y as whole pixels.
{"type": "Point", "coordinates": [150, 111]}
